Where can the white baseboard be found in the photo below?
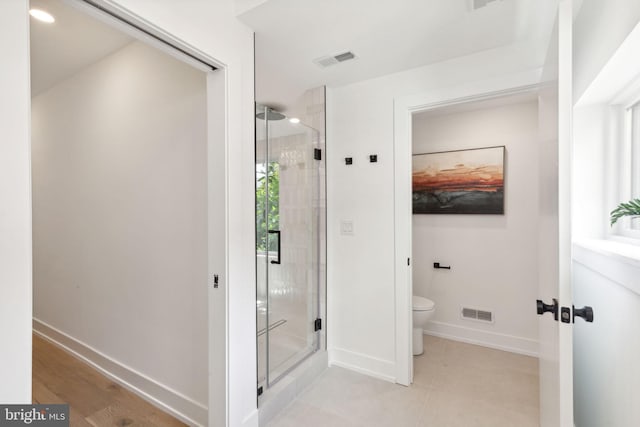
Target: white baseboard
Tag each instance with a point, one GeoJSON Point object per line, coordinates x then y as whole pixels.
{"type": "Point", "coordinates": [484, 338]}
{"type": "Point", "coordinates": [171, 401]}
{"type": "Point", "coordinates": [367, 365]}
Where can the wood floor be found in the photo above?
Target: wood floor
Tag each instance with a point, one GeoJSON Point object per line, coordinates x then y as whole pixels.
{"type": "Point", "coordinates": [94, 400]}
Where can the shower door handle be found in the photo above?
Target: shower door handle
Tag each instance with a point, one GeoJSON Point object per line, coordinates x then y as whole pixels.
{"type": "Point", "coordinates": [277, 232]}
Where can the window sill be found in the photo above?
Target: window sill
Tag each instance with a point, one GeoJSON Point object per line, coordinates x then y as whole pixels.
{"type": "Point", "coordinates": [615, 260]}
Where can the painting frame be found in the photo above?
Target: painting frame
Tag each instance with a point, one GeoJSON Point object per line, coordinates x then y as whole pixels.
{"type": "Point", "coordinates": [466, 181]}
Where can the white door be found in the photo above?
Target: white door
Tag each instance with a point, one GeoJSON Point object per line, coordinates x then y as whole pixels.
{"type": "Point", "coordinates": [555, 111]}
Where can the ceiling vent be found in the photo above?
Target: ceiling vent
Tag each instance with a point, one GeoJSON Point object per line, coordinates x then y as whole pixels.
{"type": "Point", "coordinates": [327, 61]}
{"type": "Point", "coordinates": [479, 4]}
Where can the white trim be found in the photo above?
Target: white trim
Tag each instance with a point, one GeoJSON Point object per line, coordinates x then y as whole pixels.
{"type": "Point", "coordinates": [504, 342]}
{"type": "Point", "coordinates": [404, 108]}
{"type": "Point", "coordinates": [361, 363]}
{"type": "Point", "coordinates": [179, 49]}
{"type": "Point", "coordinates": [565, 200]}
{"type": "Point", "coordinates": [217, 254]}
{"type": "Point", "coordinates": [178, 405]}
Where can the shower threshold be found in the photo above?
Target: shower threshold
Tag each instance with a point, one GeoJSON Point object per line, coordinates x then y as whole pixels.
{"type": "Point", "coordinates": [290, 384]}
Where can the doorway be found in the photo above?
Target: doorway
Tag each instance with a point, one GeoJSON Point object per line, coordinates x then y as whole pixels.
{"type": "Point", "coordinates": [485, 152]}
{"type": "Point", "coordinates": [128, 153]}
{"type": "Point", "coordinates": [475, 191]}
{"type": "Point", "coordinates": [289, 215]}
{"type": "Point", "coordinates": [546, 208]}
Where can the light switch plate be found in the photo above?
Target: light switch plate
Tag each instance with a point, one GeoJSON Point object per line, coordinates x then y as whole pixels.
{"type": "Point", "coordinates": [346, 227]}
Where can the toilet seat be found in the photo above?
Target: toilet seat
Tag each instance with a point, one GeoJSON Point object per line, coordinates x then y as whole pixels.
{"type": "Point", "coordinates": [422, 304]}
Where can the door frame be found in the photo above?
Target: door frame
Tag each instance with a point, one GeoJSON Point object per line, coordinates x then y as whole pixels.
{"type": "Point", "coordinates": [404, 108]}
{"type": "Point", "coordinates": [217, 95]}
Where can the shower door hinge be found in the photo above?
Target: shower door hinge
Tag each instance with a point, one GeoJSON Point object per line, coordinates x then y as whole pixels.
{"type": "Point", "coordinates": [259, 390]}
{"type": "Point", "coordinates": [317, 154]}
{"type": "Point", "coordinates": [317, 325]}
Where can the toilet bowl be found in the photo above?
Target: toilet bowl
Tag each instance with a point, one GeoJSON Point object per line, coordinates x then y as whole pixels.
{"type": "Point", "coordinates": [423, 309]}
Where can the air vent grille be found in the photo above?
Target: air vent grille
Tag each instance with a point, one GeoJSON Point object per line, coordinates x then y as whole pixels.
{"type": "Point", "coordinates": [469, 313]}
{"type": "Point", "coordinates": [475, 314]}
{"type": "Point", "coordinates": [485, 316]}
{"type": "Point", "coordinates": [327, 61]}
{"type": "Point", "coordinates": [344, 56]}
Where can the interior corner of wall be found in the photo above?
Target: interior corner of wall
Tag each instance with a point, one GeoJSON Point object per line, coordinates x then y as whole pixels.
{"type": "Point", "coordinates": [244, 6]}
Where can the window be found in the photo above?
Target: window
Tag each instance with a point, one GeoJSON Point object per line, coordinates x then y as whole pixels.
{"type": "Point", "coordinates": [267, 205]}
{"type": "Point", "coordinates": [629, 163]}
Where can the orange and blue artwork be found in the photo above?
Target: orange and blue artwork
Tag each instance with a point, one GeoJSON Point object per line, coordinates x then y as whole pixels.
{"type": "Point", "coordinates": [459, 182]}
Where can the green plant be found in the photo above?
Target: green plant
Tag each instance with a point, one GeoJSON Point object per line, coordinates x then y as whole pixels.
{"type": "Point", "coordinates": [630, 208]}
{"type": "Point", "coordinates": [267, 198]}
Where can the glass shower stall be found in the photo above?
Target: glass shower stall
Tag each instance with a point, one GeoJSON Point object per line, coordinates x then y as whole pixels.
{"type": "Point", "coordinates": [290, 214]}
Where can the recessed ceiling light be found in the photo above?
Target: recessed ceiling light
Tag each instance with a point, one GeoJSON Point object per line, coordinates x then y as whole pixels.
{"type": "Point", "coordinates": [294, 120]}
{"type": "Point", "coordinates": [43, 16]}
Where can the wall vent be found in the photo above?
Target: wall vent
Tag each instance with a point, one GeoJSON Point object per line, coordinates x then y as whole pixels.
{"type": "Point", "coordinates": [475, 314]}
{"type": "Point", "coordinates": [327, 61]}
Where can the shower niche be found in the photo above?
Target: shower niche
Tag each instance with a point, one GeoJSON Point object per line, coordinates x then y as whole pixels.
{"type": "Point", "coordinates": [290, 241]}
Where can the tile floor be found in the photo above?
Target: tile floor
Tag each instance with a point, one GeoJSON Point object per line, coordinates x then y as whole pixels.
{"type": "Point", "coordinates": [455, 384]}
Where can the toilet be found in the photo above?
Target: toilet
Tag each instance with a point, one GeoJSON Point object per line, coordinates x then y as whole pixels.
{"type": "Point", "coordinates": [423, 309]}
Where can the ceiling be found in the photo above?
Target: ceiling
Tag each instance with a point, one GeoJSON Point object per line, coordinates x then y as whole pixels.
{"type": "Point", "coordinates": [386, 36]}
{"type": "Point", "coordinates": [73, 42]}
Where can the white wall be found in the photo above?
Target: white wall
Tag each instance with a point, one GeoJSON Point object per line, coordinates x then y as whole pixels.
{"type": "Point", "coordinates": [606, 352]}
{"type": "Point", "coordinates": [361, 266]}
{"type": "Point", "coordinates": [493, 258]}
{"type": "Point", "coordinates": [119, 214]}
{"type": "Point", "coordinates": [598, 30]}
{"type": "Point", "coordinates": [212, 28]}
{"type": "Point", "coordinates": [590, 158]}
{"type": "Point", "coordinates": [15, 206]}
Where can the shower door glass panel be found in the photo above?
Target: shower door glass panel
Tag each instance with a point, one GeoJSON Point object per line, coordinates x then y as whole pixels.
{"type": "Point", "coordinates": [287, 188]}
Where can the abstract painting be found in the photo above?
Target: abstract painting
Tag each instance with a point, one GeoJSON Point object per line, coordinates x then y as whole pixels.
{"type": "Point", "coordinates": [459, 182]}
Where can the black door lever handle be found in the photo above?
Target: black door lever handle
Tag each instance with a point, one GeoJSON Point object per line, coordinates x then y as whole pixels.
{"type": "Point", "coordinates": [277, 233]}
{"type": "Point", "coordinates": [585, 312]}
{"type": "Point", "coordinates": [542, 308]}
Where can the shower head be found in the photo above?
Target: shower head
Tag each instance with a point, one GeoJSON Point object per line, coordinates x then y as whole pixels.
{"type": "Point", "coordinates": [271, 115]}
